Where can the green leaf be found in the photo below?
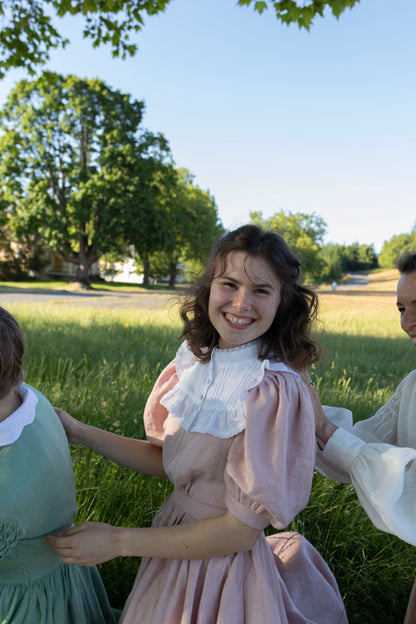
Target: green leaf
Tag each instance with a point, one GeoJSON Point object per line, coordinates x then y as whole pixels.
{"type": "Point", "coordinates": [260, 6]}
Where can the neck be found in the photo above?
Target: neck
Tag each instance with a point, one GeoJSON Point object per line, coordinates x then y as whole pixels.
{"type": "Point", "coordinates": [9, 404]}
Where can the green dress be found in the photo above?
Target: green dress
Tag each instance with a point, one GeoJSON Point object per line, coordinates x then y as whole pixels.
{"type": "Point", "coordinates": [37, 498]}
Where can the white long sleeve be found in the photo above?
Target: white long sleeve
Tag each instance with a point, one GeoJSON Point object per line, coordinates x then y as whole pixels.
{"type": "Point", "coordinates": [378, 456]}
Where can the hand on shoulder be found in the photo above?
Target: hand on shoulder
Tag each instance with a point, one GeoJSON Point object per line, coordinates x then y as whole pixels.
{"type": "Point", "coordinates": [324, 428]}
{"type": "Point", "coordinates": [70, 424]}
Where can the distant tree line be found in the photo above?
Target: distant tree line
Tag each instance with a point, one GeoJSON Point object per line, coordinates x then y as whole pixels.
{"type": "Point", "coordinates": [397, 245]}
{"type": "Point", "coordinates": [324, 263]}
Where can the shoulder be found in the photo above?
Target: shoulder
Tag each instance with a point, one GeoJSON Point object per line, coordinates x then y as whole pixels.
{"type": "Point", "coordinates": [278, 375]}
{"type": "Point", "coordinates": [184, 359]}
{"type": "Point", "coordinates": [45, 422]}
{"type": "Point", "coordinates": [281, 392]}
{"type": "Point", "coordinates": [278, 366]}
{"type": "Point", "coordinates": [36, 395]}
{"type": "Point", "coordinates": [406, 390]}
{"type": "Point", "coordinates": [410, 379]}
{"type": "Point", "coordinates": [35, 400]}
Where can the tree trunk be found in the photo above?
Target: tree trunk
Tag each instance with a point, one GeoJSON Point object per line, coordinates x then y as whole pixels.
{"type": "Point", "coordinates": [146, 270]}
{"type": "Point", "coordinates": [82, 275]}
{"type": "Point", "coordinates": [173, 274]}
{"type": "Point", "coordinates": [85, 259]}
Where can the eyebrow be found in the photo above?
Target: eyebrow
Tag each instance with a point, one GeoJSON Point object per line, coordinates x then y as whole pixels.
{"type": "Point", "coordinates": [402, 304]}
{"type": "Point", "coordinates": [256, 284]}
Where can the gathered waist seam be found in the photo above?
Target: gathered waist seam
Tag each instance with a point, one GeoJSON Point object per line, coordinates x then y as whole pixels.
{"type": "Point", "coordinates": [197, 509]}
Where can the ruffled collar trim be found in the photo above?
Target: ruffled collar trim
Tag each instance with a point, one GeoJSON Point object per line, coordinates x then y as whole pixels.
{"type": "Point", "coordinates": [11, 428]}
{"type": "Point", "coordinates": [211, 398]}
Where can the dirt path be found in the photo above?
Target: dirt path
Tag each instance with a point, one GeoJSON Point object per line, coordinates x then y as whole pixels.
{"type": "Point", "coordinates": [357, 281]}
{"type": "Point", "coordinates": [150, 300]}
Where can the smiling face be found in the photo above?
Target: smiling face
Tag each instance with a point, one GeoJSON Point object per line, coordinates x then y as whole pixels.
{"type": "Point", "coordinates": [243, 301]}
{"type": "Point", "coordinates": [406, 303]}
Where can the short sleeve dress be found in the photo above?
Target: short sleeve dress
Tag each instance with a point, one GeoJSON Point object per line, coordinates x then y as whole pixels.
{"type": "Point", "coordinates": [237, 434]}
{"type": "Point", "coordinates": [37, 498]}
{"type": "Point", "coordinates": [378, 456]}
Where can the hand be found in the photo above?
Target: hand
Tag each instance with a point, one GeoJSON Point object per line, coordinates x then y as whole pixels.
{"type": "Point", "coordinates": [69, 423]}
{"type": "Point", "coordinates": [324, 428]}
{"type": "Point", "coordinates": [87, 544]}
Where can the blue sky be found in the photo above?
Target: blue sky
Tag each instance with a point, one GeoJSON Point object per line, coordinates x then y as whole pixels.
{"type": "Point", "coordinates": [269, 117]}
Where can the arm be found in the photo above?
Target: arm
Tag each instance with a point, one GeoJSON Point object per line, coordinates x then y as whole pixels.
{"type": "Point", "coordinates": [385, 425]}
{"type": "Point", "coordinates": [324, 427]}
{"type": "Point", "coordinates": [138, 455]}
{"type": "Point", "coordinates": [383, 474]}
{"type": "Point", "coordinates": [91, 543]}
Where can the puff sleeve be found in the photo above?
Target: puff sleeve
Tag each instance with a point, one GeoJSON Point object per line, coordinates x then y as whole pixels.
{"type": "Point", "coordinates": [155, 414]}
{"type": "Point", "coordinates": [382, 474]}
{"type": "Point", "coordinates": [270, 466]}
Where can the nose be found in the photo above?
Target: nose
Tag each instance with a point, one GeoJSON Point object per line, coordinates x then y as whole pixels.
{"type": "Point", "coordinates": [242, 300]}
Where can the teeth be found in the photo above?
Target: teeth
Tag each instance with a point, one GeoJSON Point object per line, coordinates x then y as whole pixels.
{"type": "Point", "coordinates": [237, 321]}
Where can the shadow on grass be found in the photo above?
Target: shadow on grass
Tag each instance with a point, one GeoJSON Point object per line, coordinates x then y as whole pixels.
{"type": "Point", "coordinates": [51, 287]}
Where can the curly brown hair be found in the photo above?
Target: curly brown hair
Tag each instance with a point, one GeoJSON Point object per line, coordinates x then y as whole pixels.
{"type": "Point", "coordinates": [11, 353]}
{"type": "Point", "coordinates": [288, 337]}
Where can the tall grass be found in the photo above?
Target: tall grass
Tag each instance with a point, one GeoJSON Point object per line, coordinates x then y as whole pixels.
{"type": "Point", "coordinates": [100, 365]}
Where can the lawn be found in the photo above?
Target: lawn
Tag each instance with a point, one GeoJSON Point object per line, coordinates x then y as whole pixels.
{"type": "Point", "coordinates": [100, 365]}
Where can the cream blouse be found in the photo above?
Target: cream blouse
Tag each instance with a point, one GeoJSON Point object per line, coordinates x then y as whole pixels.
{"type": "Point", "coordinates": [378, 456]}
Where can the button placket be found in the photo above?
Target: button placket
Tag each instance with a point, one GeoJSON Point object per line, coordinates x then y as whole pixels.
{"type": "Point", "coordinates": [207, 382]}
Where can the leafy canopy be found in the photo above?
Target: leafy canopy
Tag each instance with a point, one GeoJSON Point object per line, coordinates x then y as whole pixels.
{"type": "Point", "coordinates": [301, 13]}
{"type": "Point", "coordinates": [28, 32]}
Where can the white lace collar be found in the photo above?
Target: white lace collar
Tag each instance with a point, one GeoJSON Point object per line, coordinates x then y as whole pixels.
{"type": "Point", "coordinates": [211, 397]}
{"type": "Point", "coordinates": [11, 428]}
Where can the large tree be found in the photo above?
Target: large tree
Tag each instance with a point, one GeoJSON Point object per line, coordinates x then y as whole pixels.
{"type": "Point", "coordinates": [148, 188]}
{"type": "Point", "coordinates": [64, 146]}
{"type": "Point", "coordinates": [28, 31]}
{"type": "Point", "coordinates": [192, 226]}
{"type": "Point", "coordinates": [304, 234]}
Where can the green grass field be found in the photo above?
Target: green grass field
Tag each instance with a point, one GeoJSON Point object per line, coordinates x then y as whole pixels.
{"type": "Point", "coordinates": [100, 365]}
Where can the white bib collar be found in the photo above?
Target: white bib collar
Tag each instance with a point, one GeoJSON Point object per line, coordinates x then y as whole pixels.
{"type": "Point", "coordinates": [11, 428]}
{"type": "Point", "coordinates": [211, 398]}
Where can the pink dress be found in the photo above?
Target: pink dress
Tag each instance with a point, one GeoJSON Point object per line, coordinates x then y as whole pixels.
{"type": "Point", "coordinates": [237, 434]}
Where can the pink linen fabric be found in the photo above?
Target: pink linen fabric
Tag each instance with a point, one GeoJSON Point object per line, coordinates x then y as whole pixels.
{"type": "Point", "coordinates": [263, 476]}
